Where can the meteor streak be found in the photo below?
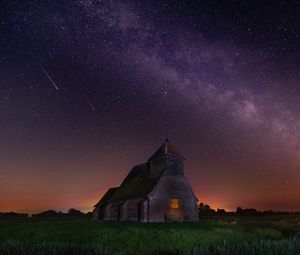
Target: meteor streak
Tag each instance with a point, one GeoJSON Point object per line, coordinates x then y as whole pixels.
{"type": "Point", "coordinates": [90, 104]}
{"type": "Point", "coordinates": [49, 78]}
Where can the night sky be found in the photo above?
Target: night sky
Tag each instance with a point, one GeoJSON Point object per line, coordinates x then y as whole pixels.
{"type": "Point", "coordinates": [89, 88]}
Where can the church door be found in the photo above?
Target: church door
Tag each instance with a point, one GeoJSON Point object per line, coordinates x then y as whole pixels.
{"type": "Point", "coordinates": [140, 212]}
{"type": "Point", "coordinates": [119, 212]}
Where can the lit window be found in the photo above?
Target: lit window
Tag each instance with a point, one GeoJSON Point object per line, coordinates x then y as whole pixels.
{"type": "Point", "coordinates": [174, 203]}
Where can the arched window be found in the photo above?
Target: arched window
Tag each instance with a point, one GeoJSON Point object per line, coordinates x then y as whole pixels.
{"type": "Point", "coordinates": [174, 202]}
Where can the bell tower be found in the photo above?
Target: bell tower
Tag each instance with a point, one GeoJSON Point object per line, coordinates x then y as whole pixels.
{"type": "Point", "coordinates": [166, 159]}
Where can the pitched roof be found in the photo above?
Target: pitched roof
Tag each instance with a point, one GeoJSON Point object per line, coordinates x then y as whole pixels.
{"type": "Point", "coordinates": [137, 184]}
{"type": "Point", "coordinates": [166, 149]}
{"type": "Point", "coordinates": [106, 198]}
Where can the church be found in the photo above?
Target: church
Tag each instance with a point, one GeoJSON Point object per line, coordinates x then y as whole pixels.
{"type": "Point", "coordinates": [155, 191]}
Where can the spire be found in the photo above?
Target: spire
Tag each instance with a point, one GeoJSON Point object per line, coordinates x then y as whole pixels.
{"type": "Point", "coordinates": [166, 149]}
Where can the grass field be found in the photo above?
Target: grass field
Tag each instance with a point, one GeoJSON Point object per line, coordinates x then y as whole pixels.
{"type": "Point", "coordinates": [86, 237]}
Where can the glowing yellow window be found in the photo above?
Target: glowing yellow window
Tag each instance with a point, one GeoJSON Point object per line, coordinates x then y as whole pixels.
{"type": "Point", "coordinates": [174, 203]}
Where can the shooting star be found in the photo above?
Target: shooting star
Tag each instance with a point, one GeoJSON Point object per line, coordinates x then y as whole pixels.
{"type": "Point", "coordinates": [49, 78]}
{"type": "Point", "coordinates": [90, 104]}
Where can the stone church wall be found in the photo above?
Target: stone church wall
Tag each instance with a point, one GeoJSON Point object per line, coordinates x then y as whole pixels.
{"type": "Point", "coordinates": [172, 187]}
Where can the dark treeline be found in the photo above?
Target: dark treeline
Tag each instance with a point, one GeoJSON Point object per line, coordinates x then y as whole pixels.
{"type": "Point", "coordinates": [72, 214]}
{"type": "Point", "coordinates": [206, 210]}
{"type": "Point", "coordinates": [13, 215]}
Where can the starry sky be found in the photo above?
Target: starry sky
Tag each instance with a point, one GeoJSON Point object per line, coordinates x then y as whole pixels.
{"type": "Point", "coordinates": [90, 88]}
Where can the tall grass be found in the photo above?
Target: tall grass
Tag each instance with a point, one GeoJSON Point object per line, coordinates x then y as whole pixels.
{"type": "Point", "coordinates": [262, 247]}
{"type": "Point", "coordinates": [105, 238]}
{"type": "Point", "coordinates": [11, 247]}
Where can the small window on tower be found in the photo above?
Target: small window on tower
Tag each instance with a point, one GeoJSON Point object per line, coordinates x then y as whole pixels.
{"type": "Point", "coordinates": [174, 203]}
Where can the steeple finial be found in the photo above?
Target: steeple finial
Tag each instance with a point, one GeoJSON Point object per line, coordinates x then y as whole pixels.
{"type": "Point", "coordinates": [167, 132]}
{"type": "Point", "coordinates": [166, 149]}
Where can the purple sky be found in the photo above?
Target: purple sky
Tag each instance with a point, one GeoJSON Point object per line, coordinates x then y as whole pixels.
{"type": "Point", "coordinates": [89, 89]}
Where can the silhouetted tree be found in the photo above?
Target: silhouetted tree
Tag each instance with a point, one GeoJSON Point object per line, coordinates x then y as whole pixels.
{"type": "Point", "coordinates": [269, 212]}
{"type": "Point", "coordinates": [221, 211]}
{"type": "Point", "coordinates": [239, 210]}
{"type": "Point", "coordinates": [247, 211]}
{"type": "Point", "coordinates": [74, 212]}
{"type": "Point", "coordinates": [205, 210]}
{"type": "Point", "coordinates": [89, 215]}
{"type": "Point", "coordinates": [49, 214]}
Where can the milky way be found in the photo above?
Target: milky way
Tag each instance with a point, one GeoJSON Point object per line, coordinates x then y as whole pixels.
{"type": "Point", "coordinates": [223, 78]}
